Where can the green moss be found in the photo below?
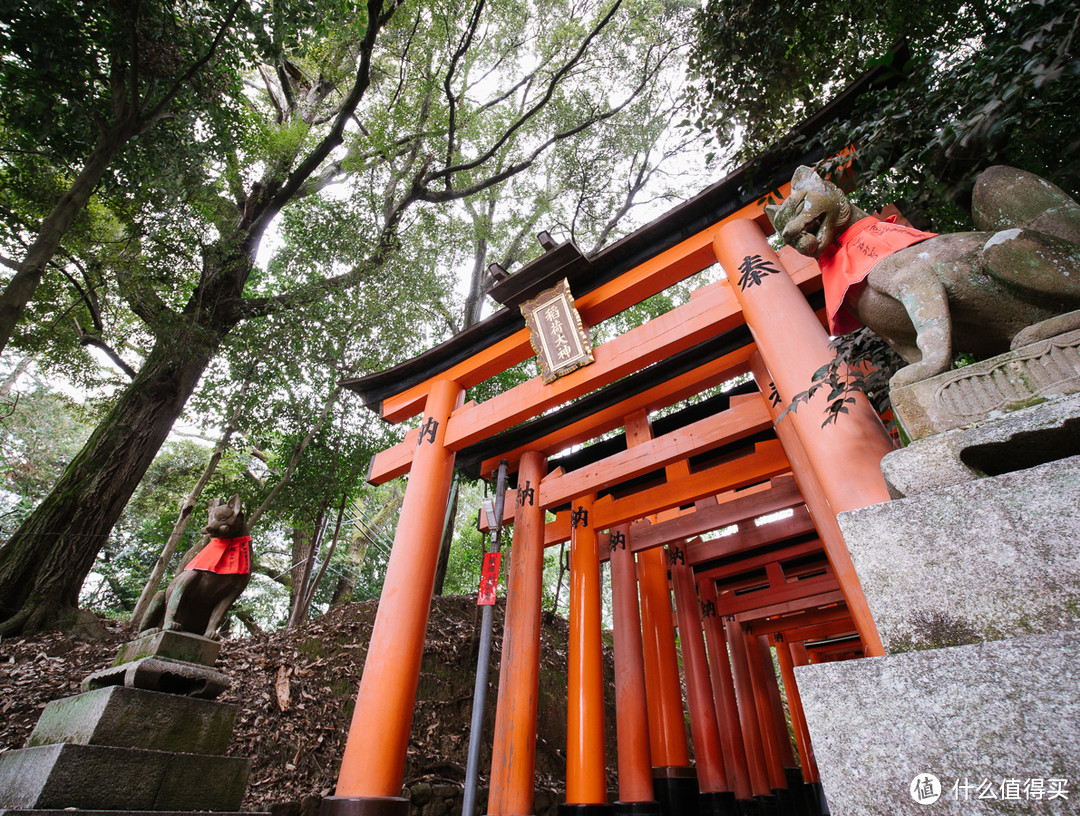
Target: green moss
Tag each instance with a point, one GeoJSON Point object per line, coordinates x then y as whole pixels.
{"type": "Point", "coordinates": [937, 630]}
{"type": "Point", "coordinates": [312, 647]}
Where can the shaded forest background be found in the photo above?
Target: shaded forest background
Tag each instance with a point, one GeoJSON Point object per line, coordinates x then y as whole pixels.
{"type": "Point", "coordinates": [212, 212]}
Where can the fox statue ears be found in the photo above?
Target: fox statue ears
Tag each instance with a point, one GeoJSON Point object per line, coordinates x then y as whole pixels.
{"type": "Point", "coordinates": [233, 503]}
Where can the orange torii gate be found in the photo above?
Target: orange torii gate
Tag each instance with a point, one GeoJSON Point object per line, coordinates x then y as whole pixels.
{"type": "Point", "coordinates": [788, 584]}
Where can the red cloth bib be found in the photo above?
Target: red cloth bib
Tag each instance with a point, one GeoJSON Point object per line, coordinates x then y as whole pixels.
{"type": "Point", "coordinates": [225, 556]}
{"type": "Point", "coordinates": [847, 262]}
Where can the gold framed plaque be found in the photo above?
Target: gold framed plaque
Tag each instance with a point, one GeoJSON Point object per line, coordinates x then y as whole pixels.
{"type": "Point", "coordinates": [555, 330]}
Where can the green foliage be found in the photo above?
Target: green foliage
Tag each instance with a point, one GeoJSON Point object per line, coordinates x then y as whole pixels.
{"type": "Point", "coordinates": [466, 551]}
{"type": "Point", "coordinates": [40, 431]}
{"type": "Point", "coordinates": [863, 363]}
{"type": "Point", "coordinates": [983, 83]}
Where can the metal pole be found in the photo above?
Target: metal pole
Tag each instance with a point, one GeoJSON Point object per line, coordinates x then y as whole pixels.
{"type": "Point", "coordinates": [472, 769]}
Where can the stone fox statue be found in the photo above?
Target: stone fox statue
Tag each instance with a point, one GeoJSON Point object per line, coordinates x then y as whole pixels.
{"type": "Point", "coordinates": [198, 599]}
{"type": "Point", "coordinates": [1014, 282]}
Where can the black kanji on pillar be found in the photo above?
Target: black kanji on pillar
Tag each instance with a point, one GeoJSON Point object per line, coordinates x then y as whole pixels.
{"type": "Point", "coordinates": [526, 494]}
{"type": "Point", "coordinates": [754, 268]}
{"type": "Point", "coordinates": [579, 515]}
{"type": "Point", "coordinates": [427, 431]}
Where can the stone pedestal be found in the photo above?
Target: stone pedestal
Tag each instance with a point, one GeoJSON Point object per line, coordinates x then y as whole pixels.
{"type": "Point", "coordinates": [972, 575]}
{"type": "Point", "coordinates": [999, 385]}
{"type": "Point", "coordinates": [143, 736]}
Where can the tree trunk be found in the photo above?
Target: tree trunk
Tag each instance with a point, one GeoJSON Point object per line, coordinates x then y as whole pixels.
{"type": "Point", "coordinates": [43, 565]}
{"type": "Point", "coordinates": [305, 608]}
{"type": "Point", "coordinates": [21, 287]}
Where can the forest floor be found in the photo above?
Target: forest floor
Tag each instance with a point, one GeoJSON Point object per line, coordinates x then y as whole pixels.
{"type": "Point", "coordinates": [296, 690]}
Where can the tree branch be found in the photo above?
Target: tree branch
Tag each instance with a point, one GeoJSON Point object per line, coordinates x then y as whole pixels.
{"type": "Point", "coordinates": [535, 109]}
{"type": "Point", "coordinates": [271, 205]}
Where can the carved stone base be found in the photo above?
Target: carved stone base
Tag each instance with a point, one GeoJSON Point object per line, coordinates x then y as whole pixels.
{"type": "Point", "coordinates": [169, 676]}
{"type": "Point", "coordinates": [1001, 384]}
{"type": "Point", "coordinates": [170, 645]}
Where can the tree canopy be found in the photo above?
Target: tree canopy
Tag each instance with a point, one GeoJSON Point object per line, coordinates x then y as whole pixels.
{"type": "Point", "coordinates": [973, 84]}
{"type": "Point", "coordinates": [292, 212]}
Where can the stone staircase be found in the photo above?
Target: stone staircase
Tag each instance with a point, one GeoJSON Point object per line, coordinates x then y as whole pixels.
{"type": "Point", "coordinates": [143, 735]}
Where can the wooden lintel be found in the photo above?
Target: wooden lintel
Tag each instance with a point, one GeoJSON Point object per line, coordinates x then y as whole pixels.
{"type": "Point", "coordinates": [667, 334]}
{"type": "Point", "coordinates": [660, 396]}
{"type": "Point", "coordinates": [813, 617]}
{"type": "Point", "coordinates": [731, 508]}
{"type": "Point", "coordinates": [772, 607]}
{"type": "Point", "coordinates": [633, 286]}
{"type": "Point", "coordinates": [766, 461]}
{"type": "Point", "coordinates": [821, 631]}
{"type": "Point", "coordinates": [842, 650]}
{"type": "Point", "coordinates": [753, 562]}
{"type": "Point", "coordinates": [775, 598]}
{"type": "Point", "coordinates": [748, 414]}
{"type": "Point", "coordinates": [394, 461]}
{"type": "Point", "coordinates": [798, 523]}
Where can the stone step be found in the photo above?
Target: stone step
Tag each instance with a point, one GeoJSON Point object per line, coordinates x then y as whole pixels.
{"type": "Point", "coordinates": [133, 718]}
{"type": "Point", "coordinates": [98, 777]}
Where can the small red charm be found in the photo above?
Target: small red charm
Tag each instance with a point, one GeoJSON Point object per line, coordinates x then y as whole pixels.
{"type": "Point", "coordinates": [489, 579]}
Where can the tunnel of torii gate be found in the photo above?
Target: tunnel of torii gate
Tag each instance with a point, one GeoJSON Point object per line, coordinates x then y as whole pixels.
{"type": "Point", "coordinates": [647, 499]}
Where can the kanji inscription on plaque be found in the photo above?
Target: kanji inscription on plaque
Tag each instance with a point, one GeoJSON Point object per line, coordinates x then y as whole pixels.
{"type": "Point", "coordinates": [556, 332]}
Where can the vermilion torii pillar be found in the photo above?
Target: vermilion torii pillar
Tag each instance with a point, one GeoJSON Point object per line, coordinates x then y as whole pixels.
{"type": "Point", "coordinates": [759, 698]}
{"type": "Point", "coordinates": [669, 740]}
{"type": "Point", "coordinates": [798, 716]}
{"type": "Point", "coordinates": [373, 766]}
{"type": "Point", "coordinates": [586, 764]}
{"type": "Point", "coordinates": [748, 717]}
{"type": "Point", "coordinates": [631, 711]}
{"type": "Point", "coordinates": [727, 710]}
{"type": "Point", "coordinates": [846, 455]}
{"type": "Point", "coordinates": [513, 753]}
{"type": "Point", "coordinates": [825, 521]}
{"type": "Point", "coordinates": [674, 780]}
{"type": "Point", "coordinates": [716, 794]}
{"type": "Point", "coordinates": [778, 754]}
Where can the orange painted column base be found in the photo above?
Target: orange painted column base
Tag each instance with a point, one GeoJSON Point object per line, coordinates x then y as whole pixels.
{"type": "Point", "coordinates": [373, 764]}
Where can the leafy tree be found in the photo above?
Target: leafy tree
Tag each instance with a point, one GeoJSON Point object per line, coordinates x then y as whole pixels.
{"type": "Point", "coordinates": [970, 85]}
{"type": "Point", "coordinates": [397, 106]}
{"type": "Point", "coordinates": [79, 81]}
{"type": "Point", "coordinates": [40, 430]}
{"type": "Point", "coordinates": [975, 83]}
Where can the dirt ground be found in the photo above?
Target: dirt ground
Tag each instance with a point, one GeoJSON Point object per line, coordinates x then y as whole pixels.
{"type": "Point", "coordinates": [295, 691]}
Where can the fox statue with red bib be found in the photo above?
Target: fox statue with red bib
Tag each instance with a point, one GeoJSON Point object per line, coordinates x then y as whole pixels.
{"type": "Point", "coordinates": [1014, 282]}
{"type": "Point", "coordinates": [198, 598]}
